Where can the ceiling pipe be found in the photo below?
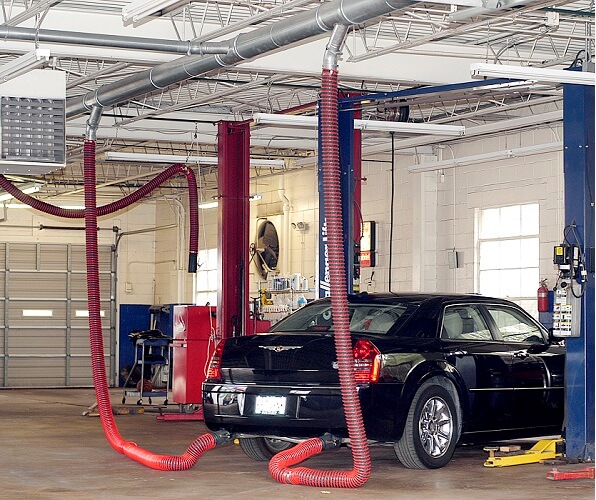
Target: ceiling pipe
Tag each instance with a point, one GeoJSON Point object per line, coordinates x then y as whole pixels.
{"type": "Point", "coordinates": [113, 41]}
{"type": "Point", "coordinates": [244, 46]}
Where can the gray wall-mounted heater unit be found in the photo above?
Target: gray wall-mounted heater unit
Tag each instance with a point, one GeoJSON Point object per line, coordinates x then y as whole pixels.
{"type": "Point", "coordinates": [33, 123]}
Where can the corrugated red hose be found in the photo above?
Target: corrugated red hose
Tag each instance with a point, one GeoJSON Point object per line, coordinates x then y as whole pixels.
{"type": "Point", "coordinates": [128, 200]}
{"type": "Point", "coordinates": [280, 463]}
{"type": "Point", "coordinates": [128, 448]}
{"type": "Point", "coordinates": [90, 213]}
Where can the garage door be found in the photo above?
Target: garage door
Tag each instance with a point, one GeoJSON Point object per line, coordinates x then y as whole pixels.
{"type": "Point", "coordinates": [44, 333]}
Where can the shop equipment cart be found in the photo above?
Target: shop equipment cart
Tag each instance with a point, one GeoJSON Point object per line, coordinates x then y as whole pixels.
{"type": "Point", "coordinates": [152, 361]}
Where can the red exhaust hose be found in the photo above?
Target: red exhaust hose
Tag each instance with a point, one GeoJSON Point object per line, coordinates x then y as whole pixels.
{"type": "Point", "coordinates": [279, 464]}
{"type": "Point", "coordinates": [128, 448]}
{"type": "Point", "coordinates": [125, 202]}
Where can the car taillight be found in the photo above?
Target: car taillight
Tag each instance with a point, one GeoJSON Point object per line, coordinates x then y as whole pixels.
{"type": "Point", "coordinates": [367, 362]}
{"type": "Point", "coordinates": [214, 372]}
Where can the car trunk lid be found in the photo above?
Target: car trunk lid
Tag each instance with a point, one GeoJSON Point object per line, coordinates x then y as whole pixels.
{"type": "Point", "coordinates": [292, 358]}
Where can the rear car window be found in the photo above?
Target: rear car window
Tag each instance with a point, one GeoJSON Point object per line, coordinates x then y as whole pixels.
{"type": "Point", "coordinates": [464, 322]}
{"type": "Point", "coordinates": [371, 318]}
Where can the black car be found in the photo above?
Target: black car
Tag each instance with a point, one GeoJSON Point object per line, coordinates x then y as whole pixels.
{"type": "Point", "coordinates": [432, 370]}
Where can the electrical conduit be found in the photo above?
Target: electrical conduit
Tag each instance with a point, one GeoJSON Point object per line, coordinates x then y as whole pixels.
{"type": "Point", "coordinates": [280, 463]}
{"type": "Point", "coordinates": [285, 237]}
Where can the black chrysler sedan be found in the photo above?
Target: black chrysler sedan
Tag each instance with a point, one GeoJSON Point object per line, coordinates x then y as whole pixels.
{"type": "Point", "coordinates": [432, 370]}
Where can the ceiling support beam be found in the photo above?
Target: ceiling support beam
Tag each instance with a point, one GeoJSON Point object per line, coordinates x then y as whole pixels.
{"type": "Point", "coordinates": [113, 41]}
{"type": "Point", "coordinates": [446, 33]}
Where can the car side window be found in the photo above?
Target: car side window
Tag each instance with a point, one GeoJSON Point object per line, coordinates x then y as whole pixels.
{"type": "Point", "coordinates": [514, 325]}
{"type": "Point", "coordinates": [464, 322]}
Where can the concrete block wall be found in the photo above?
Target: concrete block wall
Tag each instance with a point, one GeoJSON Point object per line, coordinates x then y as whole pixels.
{"type": "Point", "coordinates": [465, 190]}
{"type": "Point", "coordinates": [435, 212]}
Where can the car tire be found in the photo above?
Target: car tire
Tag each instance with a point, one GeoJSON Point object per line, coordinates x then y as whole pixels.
{"type": "Point", "coordinates": [431, 430]}
{"type": "Point", "coordinates": [263, 449]}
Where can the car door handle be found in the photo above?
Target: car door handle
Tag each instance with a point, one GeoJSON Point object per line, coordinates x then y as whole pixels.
{"type": "Point", "coordinates": [458, 352]}
{"type": "Point", "coordinates": [521, 354]}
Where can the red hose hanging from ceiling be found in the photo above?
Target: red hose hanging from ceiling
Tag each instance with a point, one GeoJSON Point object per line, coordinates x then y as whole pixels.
{"type": "Point", "coordinates": [128, 448]}
{"type": "Point", "coordinates": [279, 464]}
{"type": "Point", "coordinates": [128, 200]}
{"type": "Point", "coordinates": [90, 213]}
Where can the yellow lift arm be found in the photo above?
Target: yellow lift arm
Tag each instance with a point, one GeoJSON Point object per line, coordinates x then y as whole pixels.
{"type": "Point", "coordinates": [545, 449]}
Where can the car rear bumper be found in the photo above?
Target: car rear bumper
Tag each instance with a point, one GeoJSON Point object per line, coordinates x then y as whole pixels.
{"type": "Point", "coordinates": [277, 410]}
{"type": "Point", "coordinates": [299, 412]}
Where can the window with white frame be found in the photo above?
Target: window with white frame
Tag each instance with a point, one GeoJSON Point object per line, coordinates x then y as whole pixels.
{"type": "Point", "coordinates": [206, 278]}
{"type": "Point", "coordinates": [508, 254]}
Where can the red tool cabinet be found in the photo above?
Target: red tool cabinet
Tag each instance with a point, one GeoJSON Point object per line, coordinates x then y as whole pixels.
{"type": "Point", "coordinates": [191, 349]}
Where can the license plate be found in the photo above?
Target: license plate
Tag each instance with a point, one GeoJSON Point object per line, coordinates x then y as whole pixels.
{"type": "Point", "coordinates": [270, 405]}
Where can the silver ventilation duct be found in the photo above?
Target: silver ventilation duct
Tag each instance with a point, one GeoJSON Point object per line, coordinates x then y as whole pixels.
{"type": "Point", "coordinates": [244, 46]}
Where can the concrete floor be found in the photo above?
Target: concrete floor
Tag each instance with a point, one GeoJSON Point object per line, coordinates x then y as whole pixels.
{"type": "Point", "coordinates": [49, 450]}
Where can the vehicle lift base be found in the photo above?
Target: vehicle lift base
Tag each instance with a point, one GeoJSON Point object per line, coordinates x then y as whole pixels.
{"type": "Point", "coordinates": [545, 449]}
{"type": "Point", "coordinates": [559, 475]}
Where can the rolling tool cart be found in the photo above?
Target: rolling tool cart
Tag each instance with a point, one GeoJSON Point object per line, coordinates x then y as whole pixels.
{"type": "Point", "coordinates": [151, 366]}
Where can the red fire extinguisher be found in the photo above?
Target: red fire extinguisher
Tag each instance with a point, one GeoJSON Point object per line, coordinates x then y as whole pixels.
{"type": "Point", "coordinates": [543, 297]}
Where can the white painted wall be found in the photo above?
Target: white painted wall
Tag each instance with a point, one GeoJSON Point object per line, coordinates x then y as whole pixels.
{"type": "Point", "coordinates": [530, 179]}
{"type": "Point", "coordinates": [434, 213]}
{"type": "Point", "coordinates": [301, 191]}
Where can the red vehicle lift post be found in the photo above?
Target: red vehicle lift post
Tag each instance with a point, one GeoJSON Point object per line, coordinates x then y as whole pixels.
{"type": "Point", "coordinates": [233, 151]}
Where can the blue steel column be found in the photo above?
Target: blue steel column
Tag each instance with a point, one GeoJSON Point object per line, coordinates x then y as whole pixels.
{"type": "Point", "coordinates": [346, 165]}
{"type": "Point", "coordinates": [578, 120]}
{"type": "Point", "coordinates": [323, 288]}
{"type": "Point", "coordinates": [233, 151]}
{"type": "Point", "coordinates": [348, 138]}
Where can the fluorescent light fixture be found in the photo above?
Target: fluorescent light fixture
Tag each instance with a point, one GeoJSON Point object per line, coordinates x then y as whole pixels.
{"type": "Point", "coordinates": [200, 160]}
{"type": "Point", "coordinates": [485, 9]}
{"type": "Point", "coordinates": [494, 155]}
{"type": "Point", "coordinates": [27, 190]}
{"type": "Point", "coordinates": [410, 128]}
{"type": "Point", "coordinates": [84, 313]}
{"type": "Point", "coordinates": [23, 64]}
{"type": "Point", "coordinates": [378, 126]}
{"type": "Point", "coordinates": [543, 75]}
{"type": "Point", "coordinates": [208, 204]}
{"type": "Point", "coordinates": [38, 313]}
{"type": "Point", "coordinates": [289, 120]}
{"type": "Point", "coordinates": [135, 11]}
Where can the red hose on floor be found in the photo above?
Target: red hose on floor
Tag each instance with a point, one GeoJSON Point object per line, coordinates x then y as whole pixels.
{"type": "Point", "coordinates": [128, 448]}
{"type": "Point", "coordinates": [279, 464]}
{"type": "Point", "coordinates": [128, 200]}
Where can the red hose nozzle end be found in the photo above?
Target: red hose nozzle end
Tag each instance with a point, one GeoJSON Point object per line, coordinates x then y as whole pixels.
{"type": "Point", "coordinates": [330, 442]}
{"type": "Point", "coordinates": [222, 437]}
{"type": "Point", "coordinates": [192, 262]}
